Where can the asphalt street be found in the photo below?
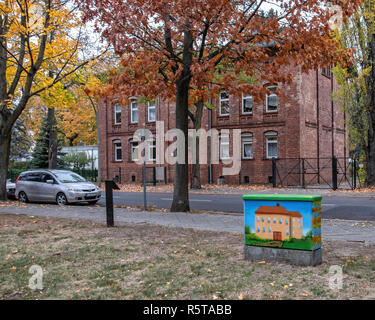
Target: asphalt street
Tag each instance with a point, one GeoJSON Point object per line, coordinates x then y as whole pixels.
{"type": "Point", "coordinates": [333, 207]}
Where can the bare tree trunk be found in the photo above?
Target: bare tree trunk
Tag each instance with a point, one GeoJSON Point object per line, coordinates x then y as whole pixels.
{"type": "Point", "coordinates": [52, 144]}
{"type": "Point", "coordinates": [371, 104]}
{"type": "Point", "coordinates": [195, 182]}
{"type": "Point", "coordinates": [4, 161]}
{"type": "Point", "coordinates": [181, 178]}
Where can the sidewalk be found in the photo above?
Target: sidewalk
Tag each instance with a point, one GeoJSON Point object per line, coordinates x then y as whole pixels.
{"type": "Point", "coordinates": [248, 189]}
{"type": "Point", "coordinates": [331, 229]}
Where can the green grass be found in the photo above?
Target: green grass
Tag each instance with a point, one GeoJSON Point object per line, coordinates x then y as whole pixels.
{"type": "Point", "coordinates": [86, 260]}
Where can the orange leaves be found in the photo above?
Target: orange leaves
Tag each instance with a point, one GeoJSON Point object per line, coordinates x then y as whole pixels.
{"type": "Point", "coordinates": [228, 41]}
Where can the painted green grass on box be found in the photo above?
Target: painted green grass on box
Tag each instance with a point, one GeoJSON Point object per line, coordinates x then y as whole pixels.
{"type": "Point", "coordinates": [300, 244]}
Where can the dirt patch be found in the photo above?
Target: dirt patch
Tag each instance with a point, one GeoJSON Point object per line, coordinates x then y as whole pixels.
{"type": "Point", "coordinates": [86, 260]}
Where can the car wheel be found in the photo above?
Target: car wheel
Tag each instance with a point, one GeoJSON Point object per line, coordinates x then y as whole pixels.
{"type": "Point", "coordinates": [61, 199]}
{"type": "Point", "coordinates": [93, 202]}
{"type": "Point", "coordinates": [22, 197]}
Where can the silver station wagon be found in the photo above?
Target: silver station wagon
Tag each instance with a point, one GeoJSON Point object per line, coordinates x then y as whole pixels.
{"type": "Point", "coordinates": [60, 186]}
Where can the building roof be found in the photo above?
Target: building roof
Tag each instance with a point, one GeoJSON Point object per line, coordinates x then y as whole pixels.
{"type": "Point", "coordinates": [283, 197]}
{"type": "Point", "coordinates": [277, 210]}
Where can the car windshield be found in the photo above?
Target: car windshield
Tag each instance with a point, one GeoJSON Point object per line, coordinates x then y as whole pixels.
{"type": "Point", "coordinates": [69, 177]}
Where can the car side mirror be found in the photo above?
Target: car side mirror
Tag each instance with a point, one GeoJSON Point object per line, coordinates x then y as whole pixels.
{"type": "Point", "coordinates": [50, 181]}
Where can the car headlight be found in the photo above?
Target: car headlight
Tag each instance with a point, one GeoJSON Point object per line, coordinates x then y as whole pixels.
{"type": "Point", "coordinates": [74, 190]}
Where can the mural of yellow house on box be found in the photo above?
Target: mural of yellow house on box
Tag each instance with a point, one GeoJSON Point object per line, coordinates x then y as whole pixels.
{"type": "Point", "coordinates": [283, 221]}
{"type": "Point", "coordinates": [277, 223]}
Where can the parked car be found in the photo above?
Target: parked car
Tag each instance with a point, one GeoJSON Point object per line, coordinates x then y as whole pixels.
{"type": "Point", "coordinates": [60, 186]}
{"type": "Point", "coordinates": [11, 189]}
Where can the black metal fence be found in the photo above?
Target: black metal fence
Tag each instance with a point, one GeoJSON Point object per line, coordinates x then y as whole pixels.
{"type": "Point", "coordinates": [331, 173]}
{"type": "Point", "coordinates": [154, 175]}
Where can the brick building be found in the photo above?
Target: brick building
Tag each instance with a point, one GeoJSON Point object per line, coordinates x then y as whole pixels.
{"type": "Point", "coordinates": [308, 125]}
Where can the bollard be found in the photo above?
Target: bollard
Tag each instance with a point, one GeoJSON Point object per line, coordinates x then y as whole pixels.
{"type": "Point", "coordinates": [109, 186]}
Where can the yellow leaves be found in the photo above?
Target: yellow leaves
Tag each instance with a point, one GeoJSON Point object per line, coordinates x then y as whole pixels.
{"type": "Point", "coordinates": [240, 297]}
{"type": "Point", "coordinates": [13, 269]}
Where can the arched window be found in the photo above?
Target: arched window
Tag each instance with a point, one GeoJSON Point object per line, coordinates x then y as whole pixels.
{"type": "Point", "coordinates": [247, 104]}
{"type": "Point", "coordinates": [224, 104]}
{"type": "Point", "coordinates": [117, 150]}
{"type": "Point", "coordinates": [271, 99]}
{"type": "Point", "coordinates": [134, 156]}
{"type": "Point", "coordinates": [117, 115]}
{"type": "Point", "coordinates": [133, 112]}
{"type": "Point", "coordinates": [151, 114]}
{"type": "Point", "coordinates": [247, 145]}
{"type": "Point", "coordinates": [271, 144]}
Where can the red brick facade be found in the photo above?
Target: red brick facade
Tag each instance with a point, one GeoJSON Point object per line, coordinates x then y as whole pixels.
{"type": "Point", "coordinates": [308, 125]}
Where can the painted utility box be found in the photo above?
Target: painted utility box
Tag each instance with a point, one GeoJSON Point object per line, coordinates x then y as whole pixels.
{"type": "Point", "coordinates": [283, 221]}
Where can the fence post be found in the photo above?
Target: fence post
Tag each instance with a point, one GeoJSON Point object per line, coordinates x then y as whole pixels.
{"type": "Point", "coordinates": [154, 176]}
{"type": "Point", "coordinates": [354, 174]}
{"type": "Point", "coordinates": [274, 184]}
{"type": "Point", "coordinates": [303, 173]}
{"type": "Point", "coordinates": [334, 173]}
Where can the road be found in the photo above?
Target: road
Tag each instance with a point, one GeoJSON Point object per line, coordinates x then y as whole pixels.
{"type": "Point", "coordinates": [333, 207]}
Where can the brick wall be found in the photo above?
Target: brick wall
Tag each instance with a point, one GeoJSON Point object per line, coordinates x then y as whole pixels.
{"type": "Point", "coordinates": [298, 125]}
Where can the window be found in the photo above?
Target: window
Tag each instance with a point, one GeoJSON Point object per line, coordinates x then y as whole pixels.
{"type": "Point", "coordinates": [134, 150]}
{"type": "Point", "coordinates": [258, 219]}
{"type": "Point", "coordinates": [117, 109]}
{"type": "Point", "coordinates": [271, 100]}
{"type": "Point", "coordinates": [287, 232]}
{"type": "Point", "coordinates": [269, 229]}
{"type": "Point", "coordinates": [262, 219]}
{"type": "Point", "coordinates": [269, 220]}
{"type": "Point", "coordinates": [327, 72]}
{"type": "Point", "coordinates": [264, 229]}
{"type": "Point", "coordinates": [271, 145]}
{"type": "Point", "coordinates": [224, 146]}
{"type": "Point", "coordinates": [118, 150]}
{"type": "Point", "coordinates": [281, 221]}
{"type": "Point", "coordinates": [151, 150]}
{"type": "Point", "coordinates": [151, 112]}
{"type": "Point", "coordinates": [247, 104]}
{"type": "Point", "coordinates": [274, 220]}
{"type": "Point", "coordinates": [258, 229]}
{"type": "Point", "coordinates": [247, 145]}
{"type": "Point", "coordinates": [224, 104]}
{"type": "Point", "coordinates": [286, 221]}
{"type": "Point", "coordinates": [46, 177]}
{"type": "Point", "coordinates": [133, 112]}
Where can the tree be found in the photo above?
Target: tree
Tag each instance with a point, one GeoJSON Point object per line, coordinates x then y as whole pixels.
{"type": "Point", "coordinates": [39, 45]}
{"type": "Point", "coordinates": [169, 48]}
{"type": "Point", "coordinates": [21, 141]}
{"type": "Point", "coordinates": [77, 160]}
{"type": "Point", "coordinates": [40, 155]}
{"type": "Point", "coordinates": [357, 84]}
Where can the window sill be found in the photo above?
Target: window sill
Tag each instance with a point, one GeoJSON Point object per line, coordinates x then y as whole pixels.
{"type": "Point", "coordinates": [271, 112]}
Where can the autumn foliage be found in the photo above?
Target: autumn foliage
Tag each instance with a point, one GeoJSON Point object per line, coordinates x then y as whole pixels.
{"type": "Point", "coordinates": [189, 50]}
{"type": "Point", "coordinates": [227, 35]}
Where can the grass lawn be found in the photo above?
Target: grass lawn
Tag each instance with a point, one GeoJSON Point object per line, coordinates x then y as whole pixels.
{"type": "Point", "coordinates": [86, 260]}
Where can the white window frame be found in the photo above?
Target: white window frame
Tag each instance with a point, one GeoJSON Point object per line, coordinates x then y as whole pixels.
{"type": "Point", "coordinates": [132, 142]}
{"type": "Point", "coordinates": [116, 111]}
{"type": "Point", "coordinates": [225, 143]}
{"type": "Point", "coordinates": [271, 88]}
{"type": "Point", "coordinates": [220, 106]}
{"type": "Point", "coordinates": [243, 104]}
{"type": "Point", "coordinates": [117, 146]}
{"type": "Point", "coordinates": [247, 138]}
{"type": "Point", "coordinates": [151, 145]}
{"type": "Point", "coordinates": [133, 109]}
{"type": "Point", "coordinates": [272, 135]}
{"type": "Point", "coordinates": [151, 106]}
